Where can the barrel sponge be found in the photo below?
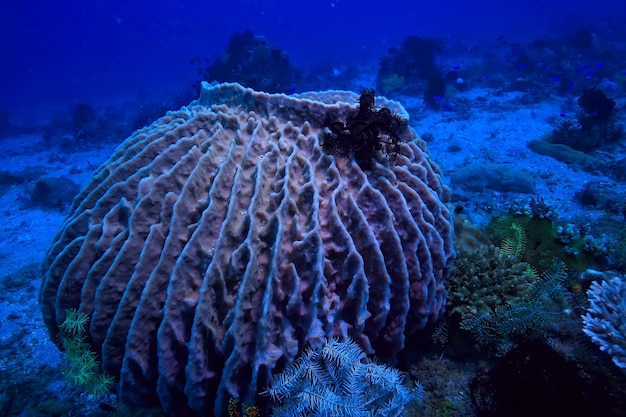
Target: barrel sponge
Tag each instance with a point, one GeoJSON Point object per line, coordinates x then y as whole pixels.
{"type": "Point", "coordinates": [220, 241]}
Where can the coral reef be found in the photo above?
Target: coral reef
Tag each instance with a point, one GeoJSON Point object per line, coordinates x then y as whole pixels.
{"type": "Point", "coordinates": [593, 128]}
{"type": "Point", "coordinates": [411, 66]}
{"type": "Point", "coordinates": [579, 137]}
{"type": "Point", "coordinates": [548, 239]}
{"type": "Point", "coordinates": [339, 381]}
{"type": "Point", "coordinates": [485, 279]}
{"type": "Point", "coordinates": [612, 231]}
{"type": "Point", "coordinates": [84, 126]}
{"type": "Point", "coordinates": [605, 320]}
{"type": "Point", "coordinates": [597, 106]}
{"type": "Point", "coordinates": [87, 125]}
{"type": "Point", "coordinates": [602, 195]}
{"type": "Point", "coordinates": [445, 386]}
{"type": "Point", "coordinates": [560, 64]}
{"type": "Point", "coordinates": [217, 243]}
{"type": "Point", "coordinates": [8, 126]}
{"type": "Point", "coordinates": [51, 193]}
{"type": "Point", "coordinates": [255, 63]}
{"type": "Point", "coordinates": [535, 207]}
{"type": "Point", "coordinates": [502, 300]}
{"type": "Point", "coordinates": [27, 175]}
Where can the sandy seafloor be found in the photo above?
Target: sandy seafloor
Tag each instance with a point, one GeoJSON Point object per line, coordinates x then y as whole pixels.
{"type": "Point", "coordinates": [31, 363]}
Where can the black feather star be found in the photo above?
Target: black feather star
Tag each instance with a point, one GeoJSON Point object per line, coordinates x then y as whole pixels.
{"type": "Point", "coordinates": [366, 136]}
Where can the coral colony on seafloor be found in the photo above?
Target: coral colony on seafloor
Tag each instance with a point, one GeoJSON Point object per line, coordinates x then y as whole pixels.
{"type": "Point", "coordinates": [605, 320]}
{"type": "Point", "coordinates": [221, 242]}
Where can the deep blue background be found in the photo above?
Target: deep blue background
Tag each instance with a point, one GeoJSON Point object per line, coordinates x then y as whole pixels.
{"type": "Point", "coordinates": [57, 52]}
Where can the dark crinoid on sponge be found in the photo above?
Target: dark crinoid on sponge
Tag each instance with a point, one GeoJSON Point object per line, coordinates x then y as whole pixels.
{"type": "Point", "coordinates": [365, 136]}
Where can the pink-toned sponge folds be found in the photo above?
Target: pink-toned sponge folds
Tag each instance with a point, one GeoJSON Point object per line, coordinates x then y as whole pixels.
{"type": "Point", "coordinates": [220, 241]}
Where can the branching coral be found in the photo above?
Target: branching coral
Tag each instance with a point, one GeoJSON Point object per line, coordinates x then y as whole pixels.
{"type": "Point", "coordinates": [605, 321]}
{"type": "Point", "coordinates": [527, 318]}
{"type": "Point", "coordinates": [486, 278]}
{"type": "Point", "coordinates": [500, 298]}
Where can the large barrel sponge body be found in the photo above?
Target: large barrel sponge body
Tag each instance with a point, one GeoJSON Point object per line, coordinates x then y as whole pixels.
{"type": "Point", "coordinates": [218, 242]}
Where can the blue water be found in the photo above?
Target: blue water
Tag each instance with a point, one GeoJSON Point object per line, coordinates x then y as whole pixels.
{"type": "Point", "coordinates": [56, 52]}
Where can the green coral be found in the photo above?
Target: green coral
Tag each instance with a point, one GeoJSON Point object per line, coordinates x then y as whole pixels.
{"type": "Point", "coordinates": [501, 299]}
{"type": "Point", "coordinates": [527, 318]}
{"type": "Point", "coordinates": [81, 364]}
{"type": "Point", "coordinates": [486, 278]}
{"type": "Point", "coordinates": [546, 240]}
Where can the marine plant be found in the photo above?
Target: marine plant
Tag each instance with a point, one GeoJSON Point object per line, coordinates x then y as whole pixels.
{"type": "Point", "coordinates": [365, 135]}
{"type": "Point", "coordinates": [81, 365]}
{"type": "Point", "coordinates": [547, 239]}
{"type": "Point", "coordinates": [74, 323]}
{"type": "Point", "coordinates": [513, 246]}
{"type": "Point", "coordinates": [339, 380]}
